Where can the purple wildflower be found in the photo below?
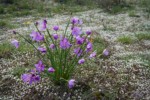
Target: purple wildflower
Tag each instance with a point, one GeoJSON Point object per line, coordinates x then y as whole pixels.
{"type": "Point", "coordinates": [65, 44]}
{"type": "Point", "coordinates": [36, 36]}
{"type": "Point", "coordinates": [80, 22]}
{"type": "Point", "coordinates": [89, 47]}
{"type": "Point", "coordinates": [26, 77]}
{"type": "Point", "coordinates": [42, 49]}
{"type": "Point", "coordinates": [76, 31]}
{"type": "Point", "coordinates": [74, 20]}
{"type": "Point", "coordinates": [34, 78]}
{"type": "Point", "coordinates": [78, 51]}
{"type": "Point", "coordinates": [39, 66]}
{"type": "Point", "coordinates": [93, 54]}
{"type": "Point", "coordinates": [14, 32]}
{"type": "Point", "coordinates": [15, 43]}
{"type": "Point", "coordinates": [88, 32]}
{"type": "Point", "coordinates": [56, 28]}
{"type": "Point", "coordinates": [30, 78]}
{"type": "Point", "coordinates": [79, 40]}
{"type": "Point", "coordinates": [71, 83]}
{"type": "Point", "coordinates": [51, 70]}
{"type": "Point", "coordinates": [81, 61]}
{"type": "Point", "coordinates": [36, 23]}
{"type": "Point", "coordinates": [55, 36]}
{"type": "Point", "coordinates": [44, 23]}
{"type": "Point", "coordinates": [105, 52]}
{"type": "Point", "coordinates": [52, 46]}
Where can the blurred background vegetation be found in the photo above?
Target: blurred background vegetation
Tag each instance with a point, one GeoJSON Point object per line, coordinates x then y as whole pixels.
{"type": "Point", "coordinates": [46, 8]}
{"type": "Point", "coordinates": [112, 6]}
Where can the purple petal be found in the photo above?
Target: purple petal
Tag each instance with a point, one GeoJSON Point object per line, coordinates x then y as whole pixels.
{"type": "Point", "coordinates": [76, 31]}
{"type": "Point", "coordinates": [51, 70]}
{"type": "Point", "coordinates": [71, 83]}
{"type": "Point", "coordinates": [15, 43]}
{"type": "Point", "coordinates": [56, 28]}
{"type": "Point", "coordinates": [81, 61]}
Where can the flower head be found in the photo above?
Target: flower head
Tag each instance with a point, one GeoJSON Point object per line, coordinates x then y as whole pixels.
{"type": "Point", "coordinates": [81, 61]}
{"type": "Point", "coordinates": [76, 31]}
{"type": "Point", "coordinates": [51, 70]}
{"type": "Point", "coordinates": [44, 23]}
{"type": "Point", "coordinates": [88, 32]}
{"type": "Point", "coordinates": [42, 49]}
{"type": "Point", "coordinates": [30, 78]}
{"type": "Point", "coordinates": [65, 44]}
{"type": "Point", "coordinates": [79, 40]}
{"type": "Point", "coordinates": [14, 32]}
{"type": "Point", "coordinates": [52, 46]}
{"type": "Point", "coordinates": [36, 36]}
{"type": "Point", "coordinates": [15, 43]}
{"type": "Point", "coordinates": [56, 28]}
{"type": "Point", "coordinates": [78, 51]}
{"type": "Point", "coordinates": [105, 52]}
{"type": "Point", "coordinates": [55, 36]}
{"type": "Point", "coordinates": [93, 54]}
{"type": "Point", "coordinates": [89, 47]}
{"type": "Point", "coordinates": [39, 66]}
{"type": "Point", "coordinates": [71, 83]}
{"type": "Point", "coordinates": [36, 23]}
{"type": "Point", "coordinates": [26, 77]}
{"type": "Point", "coordinates": [80, 22]}
{"type": "Point", "coordinates": [74, 20]}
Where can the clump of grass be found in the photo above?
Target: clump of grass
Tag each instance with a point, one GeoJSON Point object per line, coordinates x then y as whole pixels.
{"type": "Point", "coordinates": [5, 50]}
{"type": "Point", "coordinates": [99, 44]}
{"type": "Point", "coordinates": [6, 24]}
{"type": "Point", "coordinates": [3, 24]}
{"type": "Point", "coordinates": [125, 39]}
{"type": "Point", "coordinates": [120, 9]}
{"type": "Point", "coordinates": [143, 36]}
{"type": "Point", "coordinates": [1, 10]}
{"type": "Point", "coordinates": [145, 59]}
{"type": "Point", "coordinates": [133, 14]}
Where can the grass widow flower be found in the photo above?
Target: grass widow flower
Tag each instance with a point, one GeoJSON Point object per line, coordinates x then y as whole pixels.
{"type": "Point", "coordinates": [39, 66]}
{"type": "Point", "coordinates": [55, 36]}
{"type": "Point", "coordinates": [65, 44]}
{"type": "Point", "coordinates": [26, 77]}
{"type": "Point", "coordinates": [88, 32]}
{"type": "Point", "coordinates": [74, 20]}
{"type": "Point", "coordinates": [89, 47]}
{"type": "Point", "coordinates": [14, 32]}
{"type": "Point", "coordinates": [15, 43]}
{"type": "Point", "coordinates": [71, 83]}
{"type": "Point", "coordinates": [105, 52]}
{"type": "Point", "coordinates": [81, 61]}
{"type": "Point", "coordinates": [52, 46]}
{"type": "Point", "coordinates": [30, 78]}
{"type": "Point", "coordinates": [78, 51]}
{"type": "Point", "coordinates": [76, 31]}
{"type": "Point", "coordinates": [56, 28]}
{"type": "Point", "coordinates": [92, 55]}
{"type": "Point", "coordinates": [51, 70]}
{"type": "Point", "coordinates": [44, 25]}
{"type": "Point", "coordinates": [42, 49]}
{"type": "Point", "coordinates": [79, 40]}
{"type": "Point", "coordinates": [36, 36]}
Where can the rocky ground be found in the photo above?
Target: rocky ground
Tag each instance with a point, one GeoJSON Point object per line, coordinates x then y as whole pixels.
{"type": "Point", "coordinates": [122, 76]}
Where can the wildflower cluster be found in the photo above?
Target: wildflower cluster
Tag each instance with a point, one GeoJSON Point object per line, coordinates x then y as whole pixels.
{"type": "Point", "coordinates": [63, 51]}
